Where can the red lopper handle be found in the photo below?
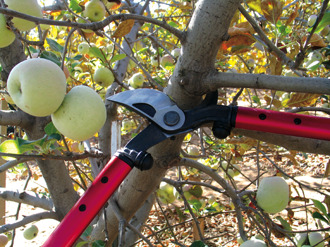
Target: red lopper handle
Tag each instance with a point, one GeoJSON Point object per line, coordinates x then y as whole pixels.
{"type": "Point", "coordinates": [283, 123]}
{"type": "Point", "coordinates": [90, 203]}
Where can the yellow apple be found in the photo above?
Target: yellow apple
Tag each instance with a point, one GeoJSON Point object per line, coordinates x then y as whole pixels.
{"type": "Point", "coordinates": [31, 232]}
{"type": "Point", "coordinates": [104, 77]}
{"type": "Point", "coordinates": [37, 86]}
{"type": "Point", "coordinates": [29, 7]}
{"type": "Point", "coordinates": [137, 80]}
{"type": "Point", "coordinates": [81, 115]}
{"type": "Point", "coordinates": [94, 10]}
{"type": "Point", "coordinates": [166, 60]}
{"type": "Point", "coordinates": [7, 36]}
{"type": "Point", "coordinates": [273, 194]}
{"type": "Point", "coordinates": [83, 48]}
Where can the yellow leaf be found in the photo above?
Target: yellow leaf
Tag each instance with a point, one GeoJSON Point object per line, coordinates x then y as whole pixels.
{"type": "Point", "coordinates": [9, 146]}
{"type": "Point", "coordinates": [255, 5]}
{"type": "Point", "coordinates": [123, 28]}
{"type": "Point", "coordinates": [302, 99]}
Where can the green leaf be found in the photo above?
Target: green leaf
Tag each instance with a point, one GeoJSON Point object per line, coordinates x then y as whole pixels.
{"type": "Point", "coordinates": [54, 45]}
{"type": "Point", "coordinates": [51, 57]}
{"type": "Point", "coordinates": [198, 243]}
{"type": "Point", "coordinates": [118, 57]}
{"type": "Point", "coordinates": [256, 99]}
{"type": "Point", "coordinates": [317, 215]}
{"type": "Point", "coordinates": [320, 206]}
{"type": "Point", "coordinates": [81, 243]}
{"type": "Point", "coordinates": [326, 63]}
{"type": "Point", "coordinates": [97, 53]}
{"type": "Point", "coordinates": [50, 129]}
{"type": "Point", "coordinates": [196, 191]}
{"type": "Point", "coordinates": [324, 22]}
{"type": "Point", "coordinates": [33, 50]}
{"type": "Point", "coordinates": [182, 217]}
{"type": "Point", "coordinates": [78, 57]}
{"type": "Point", "coordinates": [87, 232]}
{"type": "Point", "coordinates": [74, 5]}
{"type": "Point", "coordinates": [98, 243]}
{"type": "Point", "coordinates": [142, 50]}
{"type": "Point", "coordinates": [26, 144]}
{"type": "Point", "coordinates": [284, 223]}
{"type": "Point", "coordinates": [55, 136]}
{"type": "Point", "coordinates": [196, 203]}
{"type": "Point", "coordinates": [173, 24]}
{"type": "Point", "coordinates": [10, 146]}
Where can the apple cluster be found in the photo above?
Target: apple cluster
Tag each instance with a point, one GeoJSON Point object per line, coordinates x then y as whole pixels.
{"type": "Point", "coordinates": [29, 7]}
{"type": "Point", "coordinates": [38, 87]}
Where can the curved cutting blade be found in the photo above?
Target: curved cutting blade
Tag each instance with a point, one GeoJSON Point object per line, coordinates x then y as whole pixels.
{"type": "Point", "coordinates": [152, 104]}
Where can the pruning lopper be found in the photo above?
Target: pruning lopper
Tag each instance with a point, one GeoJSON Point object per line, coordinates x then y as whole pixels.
{"type": "Point", "coordinates": [166, 121]}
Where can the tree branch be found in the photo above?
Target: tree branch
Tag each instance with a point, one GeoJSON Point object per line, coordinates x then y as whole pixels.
{"type": "Point", "coordinates": [231, 192]}
{"type": "Point", "coordinates": [11, 163]}
{"type": "Point", "coordinates": [26, 198]}
{"type": "Point", "coordinates": [262, 81]}
{"type": "Point", "coordinates": [28, 219]}
{"type": "Point", "coordinates": [95, 25]}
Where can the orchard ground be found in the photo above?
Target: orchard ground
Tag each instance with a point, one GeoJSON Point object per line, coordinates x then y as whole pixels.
{"type": "Point", "coordinates": [223, 226]}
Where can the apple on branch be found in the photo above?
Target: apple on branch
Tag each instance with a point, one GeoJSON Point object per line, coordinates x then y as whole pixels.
{"type": "Point", "coordinates": [273, 194]}
{"type": "Point", "coordinates": [31, 232]}
{"type": "Point", "coordinates": [37, 86]}
{"type": "Point", "coordinates": [94, 10]}
{"type": "Point", "coordinates": [81, 115]}
{"type": "Point", "coordinates": [104, 77]}
{"type": "Point", "coordinates": [136, 80]}
{"type": "Point", "coordinates": [7, 37]}
{"type": "Point", "coordinates": [29, 7]}
{"type": "Point", "coordinates": [166, 60]}
{"type": "Point", "coordinates": [83, 48]}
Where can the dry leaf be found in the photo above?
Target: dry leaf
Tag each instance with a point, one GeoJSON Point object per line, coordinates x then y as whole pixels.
{"type": "Point", "coordinates": [302, 99]}
{"type": "Point", "coordinates": [242, 40]}
{"type": "Point", "coordinates": [293, 15]}
{"type": "Point", "coordinates": [317, 41]}
{"type": "Point", "coordinates": [123, 29]}
{"type": "Point", "coordinates": [272, 10]}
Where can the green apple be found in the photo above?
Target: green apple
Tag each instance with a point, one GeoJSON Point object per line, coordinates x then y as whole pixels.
{"type": "Point", "coordinates": [273, 194]}
{"type": "Point", "coordinates": [7, 36]}
{"type": "Point", "coordinates": [325, 105]}
{"type": "Point", "coordinates": [3, 240]}
{"type": "Point", "coordinates": [185, 190]}
{"type": "Point", "coordinates": [44, 27]}
{"type": "Point", "coordinates": [83, 48]}
{"type": "Point", "coordinates": [314, 238]}
{"type": "Point", "coordinates": [224, 164]}
{"type": "Point", "coordinates": [29, 7]}
{"type": "Point", "coordinates": [231, 173]}
{"type": "Point", "coordinates": [166, 60]}
{"type": "Point", "coordinates": [300, 239]}
{"type": "Point", "coordinates": [250, 62]}
{"type": "Point", "coordinates": [137, 80]}
{"type": "Point", "coordinates": [311, 20]}
{"type": "Point", "coordinates": [254, 243]}
{"type": "Point", "coordinates": [166, 193]}
{"type": "Point", "coordinates": [81, 115]}
{"type": "Point", "coordinates": [176, 52]}
{"type": "Point", "coordinates": [239, 239]}
{"type": "Point", "coordinates": [104, 77]}
{"type": "Point", "coordinates": [31, 232]}
{"type": "Point", "coordinates": [81, 147]}
{"type": "Point", "coordinates": [94, 10]}
{"type": "Point", "coordinates": [37, 86]}
{"type": "Point", "coordinates": [325, 31]}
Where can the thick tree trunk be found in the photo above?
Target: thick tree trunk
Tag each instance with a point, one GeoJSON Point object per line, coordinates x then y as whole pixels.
{"type": "Point", "coordinates": [200, 46]}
